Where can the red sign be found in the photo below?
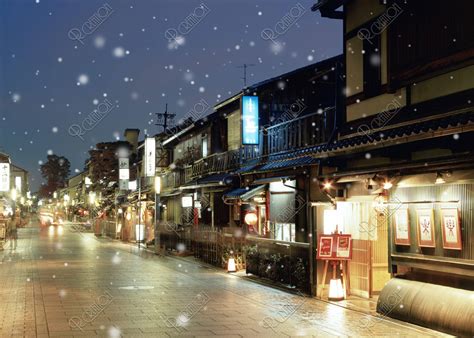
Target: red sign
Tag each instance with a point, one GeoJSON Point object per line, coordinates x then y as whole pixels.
{"type": "Point", "coordinates": [335, 247]}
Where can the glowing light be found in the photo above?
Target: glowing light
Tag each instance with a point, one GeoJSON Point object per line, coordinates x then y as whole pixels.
{"type": "Point", "coordinates": [387, 185]}
{"type": "Point", "coordinates": [327, 185]}
{"type": "Point", "coordinates": [92, 197]}
{"type": "Point", "coordinates": [251, 218]}
{"type": "Point", "coordinates": [439, 179]}
{"type": "Point", "coordinates": [231, 265]}
{"type": "Point", "coordinates": [186, 201]}
{"type": "Point", "coordinates": [157, 184]}
{"type": "Point", "coordinates": [336, 291]}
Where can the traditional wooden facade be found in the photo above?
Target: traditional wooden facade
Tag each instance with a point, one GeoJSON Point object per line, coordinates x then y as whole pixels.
{"type": "Point", "coordinates": [403, 158]}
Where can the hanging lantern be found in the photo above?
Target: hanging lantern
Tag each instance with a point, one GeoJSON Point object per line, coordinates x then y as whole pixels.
{"type": "Point", "coordinates": [251, 218]}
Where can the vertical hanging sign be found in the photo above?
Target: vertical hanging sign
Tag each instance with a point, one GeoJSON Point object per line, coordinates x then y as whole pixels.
{"type": "Point", "coordinates": [4, 176]}
{"type": "Point", "coordinates": [250, 120]}
{"type": "Point", "coordinates": [124, 173]}
{"type": "Point", "coordinates": [150, 156]}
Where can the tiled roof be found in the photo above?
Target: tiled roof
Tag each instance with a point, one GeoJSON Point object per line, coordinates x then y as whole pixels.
{"type": "Point", "coordinates": [309, 155]}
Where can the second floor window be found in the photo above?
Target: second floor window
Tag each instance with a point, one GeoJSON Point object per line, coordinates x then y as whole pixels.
{"type": "Point", "coordinates": [204, 147]}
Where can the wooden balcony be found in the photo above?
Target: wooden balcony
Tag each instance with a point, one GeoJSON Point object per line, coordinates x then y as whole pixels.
{"type": "Point", "coordinates": [300, 132]}
{"type": "Point", "coordinates": [304, 131]}
{"type": "Point", "coordinates": [215, 163]}
{"type": "Point", "coordinates": [172, 179]}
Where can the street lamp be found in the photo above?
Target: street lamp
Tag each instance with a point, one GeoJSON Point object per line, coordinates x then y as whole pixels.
{"type": "Point", "coordinates": [13, 194]}
{"type": "Point", "coordinates": [157, 212]}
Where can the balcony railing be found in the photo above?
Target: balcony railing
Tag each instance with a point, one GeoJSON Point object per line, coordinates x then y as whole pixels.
{"type": "Point", "coordinates": [304, 131]}
{"type": "Point", "coordinates": [172, 179]}
{"type": "Point", "coordinates": [214, 163]}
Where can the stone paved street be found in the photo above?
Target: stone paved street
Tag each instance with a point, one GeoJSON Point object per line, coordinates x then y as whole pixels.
{"type": "Point", "coordinates": [60, 283]}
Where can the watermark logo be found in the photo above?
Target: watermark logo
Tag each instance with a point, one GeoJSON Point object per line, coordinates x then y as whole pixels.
{"type": "Point", "coordinates": [284, 24]}
{"type": "Point", "coordinates": [381, 120]}
{"type": "Point", "coordinates": [194, 114]}
{"type": "Point", "coordinates": [292, 112]}
{"type": "Point", "coordinates": [287, 309]}
{"type": "Point", "coordinates": [381, 24]}
{"type": "Point", "coordinates": [384, 308]}
{"type": "Point", "coordinates": [172, 227]}
{"type": "Point", "coordinates": [91, 120]}
{"type": "Point", "coordinates": [91, 25]}
{"type": "Point", "coordinates": [92, 312]}
{"type": "Point", "coordinates": [381, 210]}
{"type": "Point", "coordinates": [175, 36]}
{"type": "Point", "coordinates": [189, 311]}
{"type": "Point", "coordinates": [287, 214]}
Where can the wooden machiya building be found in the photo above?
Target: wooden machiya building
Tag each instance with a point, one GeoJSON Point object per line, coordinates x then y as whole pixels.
{"type": "Point", "coordinates": [235, 178]}
{"type": "Point", "coordinates": [401, 169]}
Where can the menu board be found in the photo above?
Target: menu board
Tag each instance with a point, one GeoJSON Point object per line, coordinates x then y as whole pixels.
{"type": "Point", "coordinates": [335, 247]}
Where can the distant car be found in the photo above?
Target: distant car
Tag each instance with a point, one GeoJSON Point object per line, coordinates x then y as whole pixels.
{"type": "Point", "coordinates": [46, 218]}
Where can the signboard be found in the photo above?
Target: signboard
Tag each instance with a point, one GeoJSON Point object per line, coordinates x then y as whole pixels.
{"type": "Point", "coordinates": [451, 229]}
{"type": "Point", "coordinates": [325, 247]}
{"type": "Point", "coordinates": [4, 176]}
{"type": "Point", "coordinates": [124, 173]}
{"type": "Point", "coordinates": [335, 247]}
{"type": "Point", "coordinates": [150, 157]}
{"type": "Point", "coordinates": [250, 120]}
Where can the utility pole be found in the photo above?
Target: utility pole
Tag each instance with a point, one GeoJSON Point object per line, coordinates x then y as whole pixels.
{"type": "Point", "coordinates": [244, 66]}
{"type": "Point", "coordinates": [162, 118]}
{"type": "Point", "coordinates": [139, 183]}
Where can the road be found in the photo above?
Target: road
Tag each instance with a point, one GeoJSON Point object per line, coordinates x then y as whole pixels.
{"type": "Point", "coordinates": [64, 283]}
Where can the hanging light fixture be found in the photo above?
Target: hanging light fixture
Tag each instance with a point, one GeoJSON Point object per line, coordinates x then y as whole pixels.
{"type": "Point", "coordinates": [439, 179]}
{"type": "Point", "coordinates": [387, 185]}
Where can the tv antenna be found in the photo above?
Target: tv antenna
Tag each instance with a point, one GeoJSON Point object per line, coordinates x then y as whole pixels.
{"type": "Point", "coordinates": [244, 66]}
{"type": "Point", "coordinates": [163, 118]}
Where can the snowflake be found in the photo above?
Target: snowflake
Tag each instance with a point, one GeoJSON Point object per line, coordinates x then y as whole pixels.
{"type": "Point", "coordinates": [119, 52]}
{"type": "Point", "coordinates": [99, 41]}
{"type": "Point", "coordinates": [83, 79]}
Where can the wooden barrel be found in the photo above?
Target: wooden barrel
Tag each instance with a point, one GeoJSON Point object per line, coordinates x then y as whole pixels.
{"type": "Point", "coordinates": [435, 306]}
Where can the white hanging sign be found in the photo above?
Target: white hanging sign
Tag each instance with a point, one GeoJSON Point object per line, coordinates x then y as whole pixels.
{"type": "Point", "coordinates": [4, 176]}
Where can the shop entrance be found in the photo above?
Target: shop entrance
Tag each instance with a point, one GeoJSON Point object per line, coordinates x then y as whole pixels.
{"type": "Point", "coordinates": [361, 217]}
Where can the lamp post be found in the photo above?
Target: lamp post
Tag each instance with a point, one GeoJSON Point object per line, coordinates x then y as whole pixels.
{"type": "Point", "coordinates": [139, 183]}
{"type": "Point", "coordinates": [157, 212]}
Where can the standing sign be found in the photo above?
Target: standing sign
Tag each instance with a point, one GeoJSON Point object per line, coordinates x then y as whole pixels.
{"type": "Point", "coordinates": [4, 176]}
{"type": "Point", "coordinates": [124, 173]}
{"type": "Point", "coordinates": [150, 157]}
{"type": "Point", "coordinates": [250, 120]}
{"type": "Point", "coordinates": [335, 247]}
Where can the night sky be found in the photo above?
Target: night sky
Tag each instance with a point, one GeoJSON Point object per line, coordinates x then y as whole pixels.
{"type": "Point", "coordinates": [128, 61]}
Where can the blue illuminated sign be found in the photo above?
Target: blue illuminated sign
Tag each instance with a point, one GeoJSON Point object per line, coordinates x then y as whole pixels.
{"type": "Point", "coordinates": [250, 120]}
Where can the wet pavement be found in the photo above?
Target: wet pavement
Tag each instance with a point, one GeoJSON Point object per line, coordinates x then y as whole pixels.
{"type": "Point", "coordinates": [64, 283]}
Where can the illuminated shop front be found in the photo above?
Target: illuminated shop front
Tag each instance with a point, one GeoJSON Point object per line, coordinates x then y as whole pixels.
{"type": "Point", "coordinates": [359, 211]}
